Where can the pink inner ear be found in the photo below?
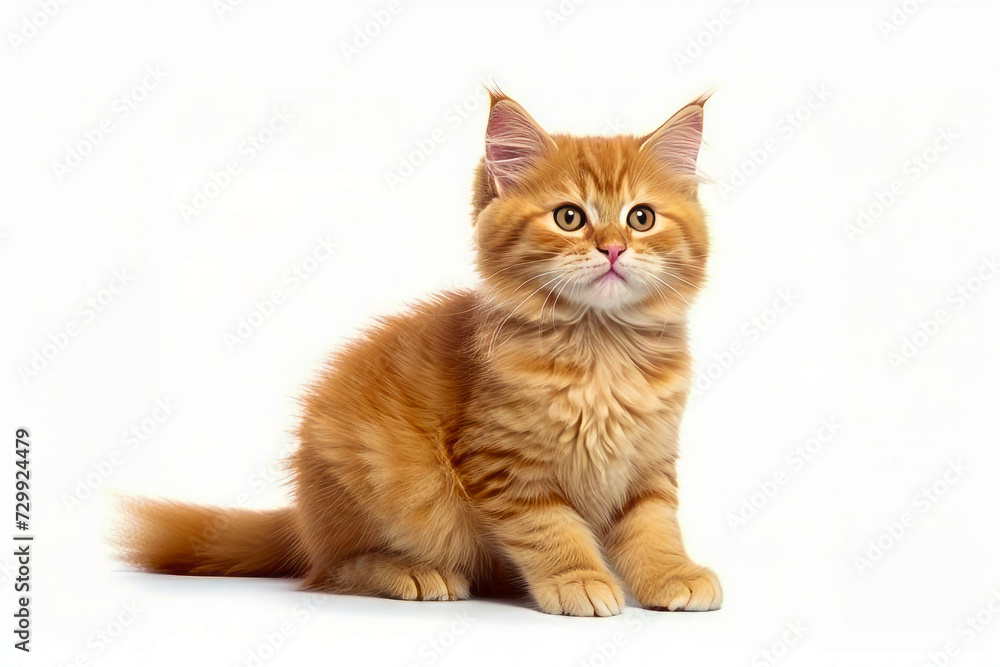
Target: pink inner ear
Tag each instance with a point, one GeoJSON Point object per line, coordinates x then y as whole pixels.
{"type": "Point", "coordinates": [678, 140]}
{"type": "Point", "coordinates": [513, 142]}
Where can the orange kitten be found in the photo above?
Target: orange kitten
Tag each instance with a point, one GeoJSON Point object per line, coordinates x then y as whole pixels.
{"type": "Point", "coordinates": [519, 436]}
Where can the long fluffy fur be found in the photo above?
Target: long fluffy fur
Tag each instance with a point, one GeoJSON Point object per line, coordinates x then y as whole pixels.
{"type": "Point", "coordinates": [179, 538]}
{"type": "Point", "coordinates": [510, 436]}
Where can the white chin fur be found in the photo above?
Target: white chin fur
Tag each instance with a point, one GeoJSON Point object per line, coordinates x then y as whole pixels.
{"type": "Point", "coordinates": [609, 294]}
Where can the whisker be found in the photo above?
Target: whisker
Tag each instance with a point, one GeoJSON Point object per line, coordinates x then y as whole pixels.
{"type": "Point", "coordinates": [671, 287]}
{"type": "Point", "coordinates": [556, 300]}
{"type": "Point", "coordinates": [677, 277]}
{"type": "Point", "coordinates": [541, 312]}
{"type": "Point", "coordinates": [492, 346]}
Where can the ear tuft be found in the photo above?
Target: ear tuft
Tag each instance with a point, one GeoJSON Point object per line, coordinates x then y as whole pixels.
{"type": "Point", "coordinates": [676, 143]}
{"type": "Point", "coordinates": [495, 93]}
{"type": "Point", "coordinates": [514, 141]}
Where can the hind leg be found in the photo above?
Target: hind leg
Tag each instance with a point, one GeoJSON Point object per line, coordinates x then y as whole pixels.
{"type": "Point", "coordinates": [395, 576]}
{"type": "Point", "coordinates": [410, 539]}
{"type": "Point", "coordinates": [332, 528]}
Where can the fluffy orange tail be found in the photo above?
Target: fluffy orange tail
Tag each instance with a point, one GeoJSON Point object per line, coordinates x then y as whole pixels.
{"type": "Point", "coordinates": [178, 538]}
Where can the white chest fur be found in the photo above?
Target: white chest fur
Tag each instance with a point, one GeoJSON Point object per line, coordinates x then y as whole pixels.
{"type": "Point", "coordinates": [609, 423]}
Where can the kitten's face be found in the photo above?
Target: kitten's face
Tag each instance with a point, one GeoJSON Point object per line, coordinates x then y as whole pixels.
{"type": "Point", "coordinates": [590, 224]}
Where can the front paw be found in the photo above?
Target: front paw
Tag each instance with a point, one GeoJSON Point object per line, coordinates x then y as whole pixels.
{"type": "Point", "coordinates": [580, 593]}
{"type": "Point", "coordinates": [687, 588]}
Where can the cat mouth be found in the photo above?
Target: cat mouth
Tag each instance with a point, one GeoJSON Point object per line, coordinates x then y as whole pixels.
{"type": "Point", "coordinates": [610, 276]}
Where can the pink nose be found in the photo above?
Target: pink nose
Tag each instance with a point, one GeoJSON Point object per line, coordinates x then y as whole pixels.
{"type": "Point", "coordinates": [613, 251]}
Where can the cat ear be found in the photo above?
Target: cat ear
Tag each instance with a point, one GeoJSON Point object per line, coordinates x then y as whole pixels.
{"type": "Point", "coordinates": [677, 141]}
{"type": "Point", "coordinates": [514, 142]}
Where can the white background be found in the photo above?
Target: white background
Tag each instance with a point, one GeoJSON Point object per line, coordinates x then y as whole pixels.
{"type": "Point", "coordinates": [596, 68]}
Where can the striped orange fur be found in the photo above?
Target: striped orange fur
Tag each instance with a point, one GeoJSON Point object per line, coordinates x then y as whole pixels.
{"type": "Point", "coordinates": [521, 436]}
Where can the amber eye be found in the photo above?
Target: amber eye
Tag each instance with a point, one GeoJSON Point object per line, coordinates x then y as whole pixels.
{"type": "Point", "coordinates": [569, 218]}
{"type": "Point", "coordinates": [641, 218]}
